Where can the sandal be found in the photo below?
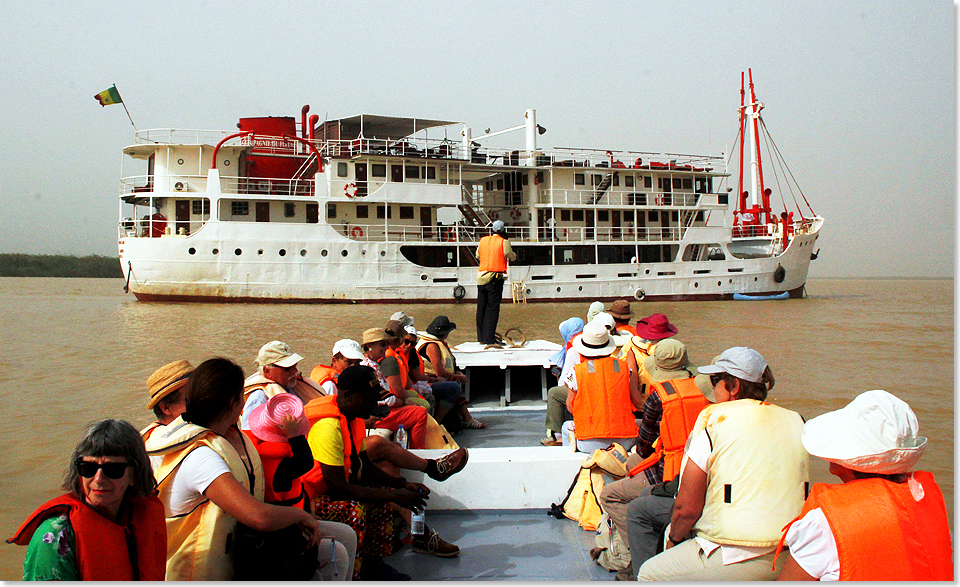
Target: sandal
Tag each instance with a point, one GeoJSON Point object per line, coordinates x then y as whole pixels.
{"type": "Point", "coordinates": [474, 424]}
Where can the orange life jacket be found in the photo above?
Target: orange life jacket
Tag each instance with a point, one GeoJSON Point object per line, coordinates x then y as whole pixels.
{"type": "Point", "coordinates": [602, 406]}
{"type": "Point", "coordinates": [682, 402]}
{"type": "Point", "coordinates": [353, 431]}
{"type": "Point", "coordinates": [883, 531]}
{"type": "Point", "coordinates": [271, 455]}
{"type": "Point", "coordinates": [102, 552]}
{"type": "Point", "coordinates": [323, 373]}
{"type": "Point", "coordinates": [404, 365]}
{"type": "Point", "coordinates": [491, 254]}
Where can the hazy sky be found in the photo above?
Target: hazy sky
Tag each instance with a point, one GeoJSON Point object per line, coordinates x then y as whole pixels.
{"type": "Point", "coordinates": [860, 96]}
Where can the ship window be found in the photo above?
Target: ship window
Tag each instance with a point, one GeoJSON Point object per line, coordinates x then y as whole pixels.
{"type": "Point", "coordinates": [412, 172]}
{"type": "Point", "coordinates": [526, 179]}
{"type": "Point", "coordinates": [675, 216]}
{"type": "Point", "coordinates": [722, 199]}
{"type": "Point", "coordinates": [431, 173]}
{"type": "Point", "coordinates": [239, 208]}
{"type": "Point", "coordinates": [331, 210]}
{"type": "Point", "coordinates": [653, 216]}
{"type": "Point", "coordinates": [539, 177]}
{"type": "Point", "coordinates": [384, 211]}
{"type": "Point", "coordinates": [578, 215]}
{"type": "Point", "coordinates": [603, 216]}
{"type": "Point", "coordinates": [676, 183]}
{"type": "Point", "coordinates": [595, 179]}
{"type": "Point", "coordinates": [616, 179]}
{"type": "Point", "coordinates": [363, 211]}
{"type": "Point", "coordinates": [647, 181]}
{"type": "Point", "coordinates": [628, 215]}
{"type": "Point", "coordinates": [565, 215]}
{"type": "Point", "coordinates": [488, 186]}
{"type": "Point", "coordinates": [378, 170]}
{"type": "Point", "coordinates": [607, 254]}
{"type": "Point", "coordinates": [636, 199]}
{"type": "Point", "coordinates": [200, 207]}
{"type": "Point", "coordinates": [406, 212]}
{"type": "Point", "coordinates": [578, 179]}
{"type": "Point", "coordinates": [628, 181]}
{"type": "Point", "coordinates": [341, 169]}
{"type": "Point", "coordinates": [687, 183]}
{"type": "Point", "coordinates": [289, 209]}
{"type": "Point", "coordinates": [499, 184]}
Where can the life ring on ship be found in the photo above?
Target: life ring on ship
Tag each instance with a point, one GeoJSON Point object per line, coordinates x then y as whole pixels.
{"type": "Point", "coordinates": [350, 190]}
{"type": "Point", "coordinates": [779, 274]}
{"type": "Point", "coordinates": [515, 213]}
{"type": "Point", "coordinates": [459, 292]}
{"type": "Point", "coordinates": [639, 294]}
{"type": "Point", "coordinates": [356, 232]}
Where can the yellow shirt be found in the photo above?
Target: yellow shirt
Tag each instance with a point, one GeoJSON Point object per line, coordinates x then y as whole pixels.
{"type": "Point", "coordinates": [326, 442]}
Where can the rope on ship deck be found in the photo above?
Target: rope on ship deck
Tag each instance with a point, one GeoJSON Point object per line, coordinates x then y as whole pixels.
{"type": "Point", "coordinates": [504, 339]}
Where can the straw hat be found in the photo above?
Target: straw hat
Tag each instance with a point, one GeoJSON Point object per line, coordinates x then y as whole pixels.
{"type": "Point", "coordinates": [655, 327]}
{"type": "Point", "coordinates": [740, 361]}
{"type": "Point", "coordinates": [167, 379]}
{"type": "Point", "coordinates": [669, 361]}
{"type": "Point", "coordinates": [875, 433]}
{"type": "Point", "coordinates": [595, 341]}
{"type": "Point", "coordinates": [372, 335]}
{"type": "Point", "coordinates": [620, 309]}
{"type": "Point", "coordinates": [277, 353]}
{"type": "Point", "coordinates": [265, 419]}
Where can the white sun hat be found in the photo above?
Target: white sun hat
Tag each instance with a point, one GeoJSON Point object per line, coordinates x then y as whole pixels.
{"type": "Point", "coordinates": [875, 433]}
{"type": "Point", "coordinates": [595, 341]}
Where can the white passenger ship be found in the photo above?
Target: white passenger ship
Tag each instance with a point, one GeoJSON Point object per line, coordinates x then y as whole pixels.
{"type": "Point", "coordinates": [381, 209]}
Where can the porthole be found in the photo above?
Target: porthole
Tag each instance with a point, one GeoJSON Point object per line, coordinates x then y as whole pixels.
{"type": "Point", "coordinates": [283, 252]}
{"type": "Point", "coordinates": [192, 251]}
{"type": "Point", "coordinates": [720, 282]}
{"type": "Point", "coordinates": [216, 251]}
{"type": "Point", "coordinates": [558, 290]}
{"type": "Point", "coordinates": [754, 278]}
{"type": "Point", "coordinates": [580, 288]}
{"type": "Point", "coordinates": [363, 253]}
{"type": "Point", "coordinates": [696, 284]}
{"type": "Point", "coordinates": [303, 252]}
{"type": "Point", "coordinates": [323, 253]}
{"type": "Point", "coordinates": [179, 161]}
{"type": "Point", "coordinates": [259, 251]}
{"type": "Point", "coordinates": [237, 252]}
{"type": "Point", "coordinates": [343, 253]}
{"type": "Point", "coordinates": [423, 278]}
{"type": "Point", "coordinates": [646, 272]}
{"type": "Point", "coordinates": [529, 291]}
{"type": "Point", "coordinates": [226, 163]}
{"type": "Point", "coordinates": [731, 281]}
{"type": "Point", "coordinates": [383, 253]}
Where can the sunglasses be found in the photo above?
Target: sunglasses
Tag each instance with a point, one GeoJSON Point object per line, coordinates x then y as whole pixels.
{"type": "Point", "coordinates": [410, 341]}
{"type": "Point", "coordinates": [88, 469]}
{"type": "Point", "coordinates": [715, 378]}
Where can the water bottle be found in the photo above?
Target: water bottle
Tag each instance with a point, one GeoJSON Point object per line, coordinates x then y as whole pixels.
{"type": "Point", "coordinates": [418, 523]}
{"type": "Point", "coordinates": [402, 437]}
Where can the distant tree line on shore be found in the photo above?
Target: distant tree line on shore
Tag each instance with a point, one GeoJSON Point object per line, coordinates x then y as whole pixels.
{"type": "Point", "coordinates": [19, 265]}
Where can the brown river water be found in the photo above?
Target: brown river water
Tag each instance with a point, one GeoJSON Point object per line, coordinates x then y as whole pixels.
{"type": "Point", "coordinates": [79, 350]}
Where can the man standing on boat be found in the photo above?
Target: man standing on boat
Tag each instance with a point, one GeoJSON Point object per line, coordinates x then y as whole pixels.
{"type": "Point", "coordinates": [493, 253]}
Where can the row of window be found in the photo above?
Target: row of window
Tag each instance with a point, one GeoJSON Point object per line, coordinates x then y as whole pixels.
{"type": "Point", "coordinates": [577, 215]}
{"type": "Point", "coordinates": [382, 211]}
{"type": "Point", "coordinates": [380, 170]}
{"type": "Point", "coordinates": [242, 208]}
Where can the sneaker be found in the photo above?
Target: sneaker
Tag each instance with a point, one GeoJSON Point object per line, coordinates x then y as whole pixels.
{"type": "Point", "coordinates": [551, 441]}
{"type": "Point", "coordinates": [431, 543]}
{"type": "Point", "coordinates": [450, 463]}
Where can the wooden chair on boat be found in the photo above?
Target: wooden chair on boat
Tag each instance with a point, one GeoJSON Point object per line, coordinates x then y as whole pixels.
{"type": "Point", "coordinates": [519, 291]}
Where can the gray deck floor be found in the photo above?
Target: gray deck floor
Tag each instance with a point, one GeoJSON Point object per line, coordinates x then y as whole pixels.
{"type": "Point", "coordinates": [523, 545]}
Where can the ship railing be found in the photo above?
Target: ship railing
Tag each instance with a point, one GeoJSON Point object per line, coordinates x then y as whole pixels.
{"type": "Point", "coordinates": [470, 235]}
{"type": "Point", "coordinates": [655, 161]}
{"type": "Point", "coordinates": [407, 147]}
{"type": "Point", "coordinates": [621, 196]}
{"type": "Point", "coordinates": [179, 136]}
{"type": "Point", "coordinates": [753, 231]}
{"type": "Point", "coordinates": [196, 186]}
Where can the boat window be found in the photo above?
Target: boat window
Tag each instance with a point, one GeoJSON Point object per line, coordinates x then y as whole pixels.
{"type": "Point", "coordinates": [341, 169]}
{"type": "Point", "coordinates": [578, 179]}
{"type": "Point", "coordinates": [603, 216]}
{"type": "Point", "coordinates": [608, 254]}
{"type": "Point", "coordinates": [636, 199]}
{"type": "Point", "coordinates": [239, 208]}
{"type": "Point", "coordinates": [539, 177]}
{"type": "Point", "coordinates": [363, 211]}
{"type": "Point", "coordinates": [500, 184]}
{"type": "Point", "coordinates": [564, 215]}
{"type": "Point", "coordinates": [595, 179]}
{"type": "Point", "coordinates": [578, 215]}
{"type": "Point", "coordinates": [576, 255]}
{"type": "Point", "coordinates": [628, 215]}
{"type": "Point", "coordinates": [650, 254]}
{"type": "Point", "coordinates": [378, 170]}
{"type": "Point", "coordinates": [331, 210]}
{"type": "Point", "coordinates": [653, 216]}
{"type": "Point", "coordinates": [406, 212]}
{"type": "Point", "coordinates": [488, 186]}
{"type": "Point", "coordinates": [200, 207]}
{"type": "Point", "coordinates": [628, 181]}
{"type": "Point", "coordinates": [289, 209]}
{"type": "Point", "coordinates": [616, 178]}
{"type": "Point", "coordinates": [687, 183]}
{"type": "Point", "coordinates": [703, 252]}
{"type": "Point", "coordinates": [647, 181]}
{"type": "Point", "coordinates": [412, 172]}
{"type": "Point", "coordinates": [676, 183]}
{"type": "Point", "coordinates": [313, 213]}
{"type": "Point", "coordinates": [384, 211]}
{"type": "Point", "coordinates": [431, 173]}
{"type": "Point", "coordinates": [526, 179]}
{"type": "Point", "coordinates": [532, 255]}
{"type": "Point", "coordinates": [675, 216]}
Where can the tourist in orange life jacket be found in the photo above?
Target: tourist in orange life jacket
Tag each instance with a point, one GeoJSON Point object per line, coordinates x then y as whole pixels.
{"type": "Point", "coordinates": [743, 477]}
{"type": "Point", "coordinates": [278, 373]}
{"type": "Point", "coordinates": [620, 310]}
{"type": "Point", "coordinates": [650, 331]}
{"type": "Point", "coordinates": [278, 429]}
{"type": "Point", "coordinates": [564, 360]}
{"type": "Point", "coordinates": [351, 488]}
{"type": "Point", "coordinates": [109, 525]}
{"type": "Point", "coordinates": [600, 395]}
{"type": "Point", "coordinates": [346, 353]}
{"type": "Point", "coordinates": [885, 522]}
{"type": "Point", "coordinates": [668, 417]}
{"type": "Point", "coordinates": [375, 343]}
{"type": "Point", "coordinates": [493, 252]}
{"type": "Point", "coordinates": [399, 350]}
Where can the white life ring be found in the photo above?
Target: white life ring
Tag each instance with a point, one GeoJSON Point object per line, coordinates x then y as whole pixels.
{"type": "Point", "coordinates": [350, 189]}
{"type": "Point", "coordinates": [639, 294]}
{"type": "Point", "coordinates": [515, 213]}
{"type": "Point", "coordinates": [356, 232]}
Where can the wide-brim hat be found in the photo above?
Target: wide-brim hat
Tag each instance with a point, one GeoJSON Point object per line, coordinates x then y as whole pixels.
{"type": "Point", "coordinates": [875, 433]}
{"type": "Point", "coordinates": [594, 309]}
{"type": "Point", "coordinates": [277, 353]}
{"type": "Point", "coordinates": [655, 327]}
{"type": "Point", "coordinates": [372, 335]}
{"type": "Point", "coordinates": [706, 388]}
{"type": "Point", "coordinates": [441, 326]}
{"type": "Point", "coordinates": [595, 341]}
{"type": "Point", "coordinates": [669, 361]}
{"type": "Point", "coordinates": [620, 309]}
{"type": "Point", "coordinates": [168, 379]}
{"type": "Point", "coordinates": [264, 420]}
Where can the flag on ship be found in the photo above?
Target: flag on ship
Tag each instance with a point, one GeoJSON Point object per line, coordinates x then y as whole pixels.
{"type": "Point", "coordinates": [109, 96]}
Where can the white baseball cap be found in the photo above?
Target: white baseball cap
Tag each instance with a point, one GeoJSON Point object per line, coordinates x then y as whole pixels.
{"type": "Point", "coordinates": [350, 349]}
{"type": "Point", "coordinates": [277, 353]}
{"type": "Point", "coordinates": [741, 362]}
{"type": "Point", "coordinates": [875, 433]}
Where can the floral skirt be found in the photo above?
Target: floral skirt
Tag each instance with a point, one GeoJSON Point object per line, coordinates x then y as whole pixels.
{"type": "Point", "coordinates": [373, 522]}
